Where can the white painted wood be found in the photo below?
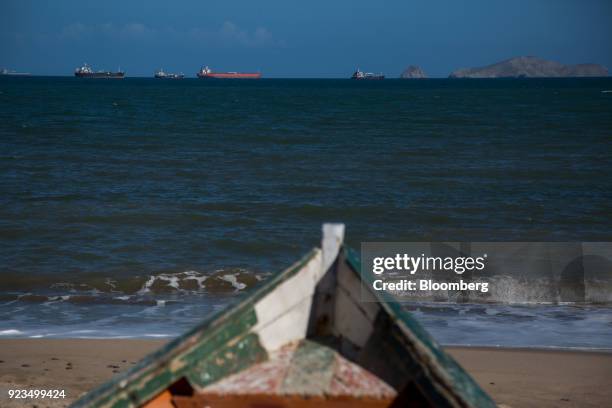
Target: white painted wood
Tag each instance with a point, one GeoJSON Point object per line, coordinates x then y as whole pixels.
{"type": "Point", "coordinates": [286, 328]}
{"type": "Point", "coordinates": [333, 237]}
{"type": "Point", "coordinates": [282, 315]}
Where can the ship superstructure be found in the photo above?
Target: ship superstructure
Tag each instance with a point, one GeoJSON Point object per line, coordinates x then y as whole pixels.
{"type": "Point", "coordinates": [161, 74]}
{"type": "Point", "coordinates": [358, 74]}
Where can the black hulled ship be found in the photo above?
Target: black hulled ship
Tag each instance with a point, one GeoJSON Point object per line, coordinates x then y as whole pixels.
{"type": "Point", "coordinates": [86, 72]}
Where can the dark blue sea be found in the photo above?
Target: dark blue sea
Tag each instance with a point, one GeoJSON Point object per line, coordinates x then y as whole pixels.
{"type": "Point", "coordinates": [132, 208]}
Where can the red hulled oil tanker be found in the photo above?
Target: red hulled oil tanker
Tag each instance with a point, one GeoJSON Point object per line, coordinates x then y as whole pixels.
{"type": "Point", "coordinates": [206, 72]}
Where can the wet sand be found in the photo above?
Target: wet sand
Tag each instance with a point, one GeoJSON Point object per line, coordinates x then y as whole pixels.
{"type": "Point", "coordinates": [516, 378]}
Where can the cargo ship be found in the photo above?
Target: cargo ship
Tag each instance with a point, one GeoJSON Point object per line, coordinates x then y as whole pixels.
{"type": "Point", "coordinates": [6, 72]}
{"type": "Point", "coordinates": [86, 72]}
{"type": "Point", "coordinates": [366, 75]}
{"type": "Point", "coordinates": [161, 74]}
{"type": "Point", "coordinates": [206, 72]}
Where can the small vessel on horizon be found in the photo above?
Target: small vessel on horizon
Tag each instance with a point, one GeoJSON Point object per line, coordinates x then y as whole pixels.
{"type": "Point", "coordinates": [86, 72]}
{"type": "Point", "coordinates": [358, 74]}
{"type": "Point", "coordinates": [206, 72]}
{"type": "Point", "coordinates": [6, 72]}
{"type": "Point", "coordinates": [161, 74]}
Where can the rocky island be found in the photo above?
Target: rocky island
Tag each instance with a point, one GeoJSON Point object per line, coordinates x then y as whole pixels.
{"type": "Point", "coordinates": [413, 72]}
{"type": "Point", "coordinates": [531, 67]}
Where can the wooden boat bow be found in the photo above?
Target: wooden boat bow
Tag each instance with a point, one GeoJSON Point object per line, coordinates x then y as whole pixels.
{"type": "Point", "coordinates": [309, 335]}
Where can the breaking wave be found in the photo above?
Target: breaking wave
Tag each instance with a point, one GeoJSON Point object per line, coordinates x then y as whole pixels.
{"type": "Point", "coordinates": [138, 290]}
{"type": "Point", "coordinates": [505, 289]}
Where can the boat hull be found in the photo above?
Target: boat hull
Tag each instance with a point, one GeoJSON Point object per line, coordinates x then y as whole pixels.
{"type": "Point", "coordinates": [230, 75]}
{"type": "Point", "coordinates": [369, 78]}
{"type": "Point", "coordinates": [100, 75]}
{"type": "Point", "coordinates": [291, 337]}
{"type": "Point", "coordinates": [170, 76]}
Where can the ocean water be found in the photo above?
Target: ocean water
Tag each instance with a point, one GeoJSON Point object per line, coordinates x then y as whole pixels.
{"type": "Point", "coordinates": [133, 208]}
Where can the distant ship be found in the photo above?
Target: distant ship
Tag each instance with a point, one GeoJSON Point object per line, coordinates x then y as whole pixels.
{"type": "Point", "coordinates": [161, 74]}
{"type": "Point", "coordinates": [6, 72]}
{"type": "Point", "coordinates": [206, 72]}
{"type": "Point", "coordinates": [86, 72]}
{"type": "Point", "coordinates": [366, 75]}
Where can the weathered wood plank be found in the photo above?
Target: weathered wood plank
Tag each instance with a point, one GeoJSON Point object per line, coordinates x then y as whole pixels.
{"type": "Point", "coordinates": [275, 401]}
{"type": "Point", "coordinates": [282, 314]}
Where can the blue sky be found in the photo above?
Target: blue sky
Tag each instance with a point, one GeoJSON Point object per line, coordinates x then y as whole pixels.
{"type": "Point", "coordinates": [298, 38]}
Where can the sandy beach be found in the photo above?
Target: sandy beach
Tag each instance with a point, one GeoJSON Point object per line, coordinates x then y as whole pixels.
{"type": "Point", "coordinates": [513, 377]}
{"type": "Point", "coordinates": [540, 378]}
{"type": "Point", "coordinates": [73, 365]}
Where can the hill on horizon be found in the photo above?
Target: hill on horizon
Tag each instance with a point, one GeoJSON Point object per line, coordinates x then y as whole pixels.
{"type": "Point", "coordinates": [531, 67]}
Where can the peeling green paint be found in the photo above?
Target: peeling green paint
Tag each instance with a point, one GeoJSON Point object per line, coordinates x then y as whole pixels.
{"type": "Point", "coordinates": [184, 356]}
{"type": "Point", "coordinates": [227, 360]}
{"type": "Point", "coordinates": [233, 327]}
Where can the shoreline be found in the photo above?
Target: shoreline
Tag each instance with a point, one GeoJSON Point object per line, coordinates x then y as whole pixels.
{"type": "Point", "coordinates": [512, 376]}
{"type": "Point", "coordinates": [543, 349]}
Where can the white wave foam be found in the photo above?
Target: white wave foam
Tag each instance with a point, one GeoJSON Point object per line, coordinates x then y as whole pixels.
{"type": "Point", "coordinates": [111, 283]}
{"type": "Point", "coordinates": [196, 276]}
{"type": "Point", "coordinates": [124, 298]}
{"type": "Point", "coordinates": [177, 281]}
{"type": "Point", "coordinates": [233, 279]}
{"type": "Point", "coordinates": [10, 332]}
{"type": "Point", "coordinates": [173, 280]}
{"type": "Point", "coordinates": [157, 335]}
{"type": "Point", "coordinates": [504, 289]}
